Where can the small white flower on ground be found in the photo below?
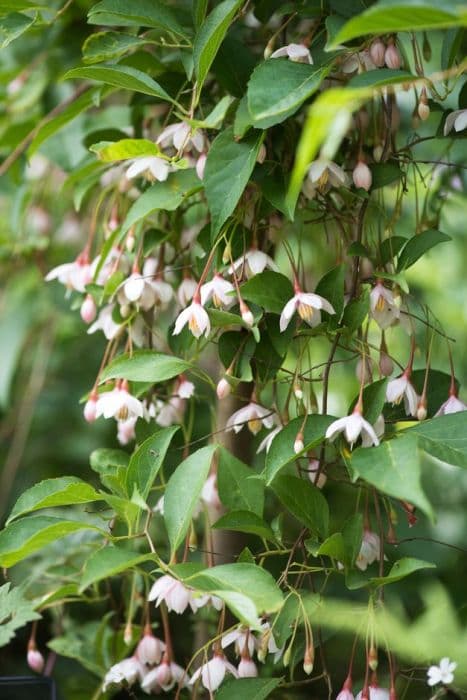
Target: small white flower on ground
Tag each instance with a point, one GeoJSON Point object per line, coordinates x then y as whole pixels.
{"type": "Point", "coordinates": [352, 426]}
{"type": "Point", "coordinates": [151, 166]}
{"type": "Point", "coordinates": [196, 318]}
{"type": "Point", "coordinates": [383, 306]}
{"type": "Point", "coordinates": [298, 53]}
{"type": "Point", "coordinates": [150, 649]}
{"type": "Point", "coordinates": [457, 119]}
{"type": "Point", "coordinates": [369, 550]}
{"type": "Point", "coordinates": [253, 415]}
{"type": "Point", "coordinates": [401, 388]}
{"type": "Point", "coordinates": [164, 677]}
{"type": "Point", "coordinates": [181, 136]}
{"type": "Point", "coordinates": [452, 405]}
{"type": "Point", "coordinates": [119, 404]}
{"type": "Point", "coordinates": [253, 262]}
{"type": "Point", "coordinates": [186, 290]}
{"type": "Point", "coordinates": [173, 592]}
{"type": "Point", "coordinates": [219, 290]}
{"type": "Point", "coordinates": [308, 306]}
{"type": "Point", "coordinates": [443, 673]}
{"type": "Point", "coordinates": [127, 671]}
{"type": "Point", "coordinates": [213, 672]}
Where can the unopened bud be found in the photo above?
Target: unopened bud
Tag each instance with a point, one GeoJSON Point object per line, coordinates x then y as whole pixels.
{"type": "Point", "coordinates": [377, 52]}
{"type": "Point", "coordinates": [260, 158]}
{"type": "Point", "coordinates": [287, 655]}
{"type": "Point", "coordinates": [247, 316]}
{"type": "Point", "coordinates": [386, 365]}
{"type": "Point", "coordinates": [128, 633]}
{"type": "Point", "coordinates": [362, 175]}
{"type": "Point", "coordinates": [269, 49]}
{"type": "Point", "coordinates": [392, 58]}
{"type": "Point", "coordinates": [223, 388]}
{"type": "Point", "coordinates": [421, 410]}
{"type": "Point", "coordinates": [130, 241]}
{"type": "Point", "coordinates": [298, 393]}
{"type": "Point", "coordinates": [90, 409]}
{"type": "Point", "coordinates": [200, 165]}
{"type": "Point", "coordinates": [227, 254]}
{"type": "Point", "coordinates": [423, 107]}
{"type": "Point", "coordinates": [34, 657]}
{"type": "Point", "coordinates": [125, 310]}
{"type": "Point", "coordinates": [298, 445]}
{"type": "Point", "coordinates": [308, 660]}
{"type": "Point", "coordinates": [373, 658]}
{"type": "Point", "coordinates": [378, 152]}
{"type": "Point", "coordinates": [88, 309]}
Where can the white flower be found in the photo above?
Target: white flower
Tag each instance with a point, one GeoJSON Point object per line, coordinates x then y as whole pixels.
{"type": "Point", "coordinates": [186, 290]}
{"type": "Point", "coordinates": [253, 262]}
{"type": "Point", "coordinates": [213, 672]}
{"type": "Point", "coordinates": [75, 275]}
{"type": "Point", "coordinates": [247, 668]}
{"type": "Point", "coordinates": [401, 388]}
{"type": "Point", "coordinates": [358, 61]}
{"type": "Point", "coordinates": [457, 119]}
{"type": "Point", "coordinates": [201, 165]}
{"type": "Point", "coordinates": [165, 677]}
{"type": "Point", "coordinates": [345, 695]}
{"type": "Point", "coordinates": [218, 289]}
{"type": "Point", "coordinates": [210, 497]}
{"type": "Point", "coordinates": [200, 600]}
{"type": "Point", "coordinates": [254, 415]}
{"type": "Point", "coordinates": [383, 306]}
{"type": "Point", "coordinates": [120, 404]}
{"type": "Point", "coordinates": [315, 476]}
{"type": "Point", "coordinates": [295, 52]}
{"type": "Point", "coordinates": [308, 306]}
{"type": "Point", "coordinates": [362, 176]}
{"type": "Point", "coordinates": [149, 650]}
{"type": "Point", "coordinates": [181, 136]}
{"type": "Point", "coordinates": [170, 412]}
{"type": "Point", "coordinates": [352, 426]}
{"type": "Point", "coordinates": [152, 166]}
{"type": "Point", "coordinates": [243, 639]}
{"type": "Point", "coordinates": [451, 405]}
{"type": "Point", "coordinates": [172, 591]}
{"type": "Point", "coordinates": [378, 427]}
{"type": "Point", "coordinates": [322, 175]}
{"type": "Point", "coordinates": [369, 550]}
{"type": "Point", "coordinates": [444, 673]}
{"type": "Point", "coordinates": [196, 318]}
{"type": "Point", "coordinates": [267, 643]}
{"type": "Point", "coordinates": [137, 290]}
{"type": "Point", "coordinates": [126, 430]}
{"type": "Point", "coordinates": [376, 694]}
{"type": "Point", "coordinates": [185, 389]}
{"type": "Point", "coordinates": [266, 443]}
{"type": "Point", "coordinates": [105, 323]}
{"type": "Point", "coordinates": [126, 671]}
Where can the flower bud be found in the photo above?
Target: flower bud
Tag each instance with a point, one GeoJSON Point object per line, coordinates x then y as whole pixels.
{"type": "Point", "coordinates": [298, 445]}
{"type": "Point", "coordinates": [260, 158]}
{"type": "Point", "coordinates": [362, 175]}
{"type": "Point", "coordinates": [423, 107]}
{"type": "Point", "coordinates": [386, 365]}
{"type": "Point", "coordinates": [377, 52]}
{"type": "Point", "coordinates": [421, 410]}
{"type": "Point", "coordinates": [269, 49]}
{"type": "Point", "coordinates": [200, 165]}
{"type": "Point", "coordinates": [247, 316]}
{"type": "Point", "coordinates": [88, 309]}
{"type": "Point", "coordinates": [247, 668]}
{"type": "Point", "coordinates": [308, 660]}
{"type": "Point", "coordinates": [227, 254]}
{"type": "Point", "coordinates": [34, 658]}
{"type": "Point", "coordinates": [298, 393]}
{"type": "Point", "coordinates": [392, 57]}
{"type": "Point", "coordinates": [125, 310]}
{"type": "Point", "coordinates": [223, 388]}
{"type": "Point", "coordinates": [373, 658]}
{"type": "Point", "coordinates": [426, 47]}
{"type": "Point", "coordinates": [90, 408]}
{"type": "Point", "coordinates": [287, 655]}
{"type": "Point", "coordinates": [378, 152]}
{"type": "Point", "coordinates": [128, 633]}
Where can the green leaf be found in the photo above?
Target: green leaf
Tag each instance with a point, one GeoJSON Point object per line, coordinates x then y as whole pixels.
{"type": "Point", "coordinates": [15, 612]}
{"type": "Point", "coordinates": [167, 196]}
{"type": "Point", "coordinates": [104, 459]}
{"type": "Point", "coordinates": [110, 561]}
{"type": "Point", "coordinates": [247, 579]}
{"type": "Point", "coordinates": [145, 366]}
{"type": "Point", "coordinates": [352, 533]}
{"type": "Point", "coordinates": [277, 88]}
{"type": "Point", "coordinates": [390, 247]}
{"type": "Point", "coordinates": [282, 450]}
{"type": "Point", "coordinates": [394, 468]}
{"type": "Point", "coordinates": [7, 6]}
{"type": "Point", "coordinates": [67, 490]}
{"type": "Point", "coordinates": [381, 77]}
{"type": "Point", "coordinates": [123, 77]}
{"type": "Point", "coordinates": [12, 26]}
{"type": "Point", "coordinates": [401, 569]}
{"type": "Point", "coordinates": [210, 36]}
{"type": "Point", "coordinates": [216, 116]}
{"type": "Point", "coordinates": [268, 289]}
{"type": "Point", "coordinates": [228, 168]}
{"type": "Point", "coordinates": [418, 246]}
{"type": "Point", "coordinates": [137, 13]}
{"type": "Point", "coordinates": [239, 489]}
{"type": "Point", "coordinates": [384, 174]}
{"type": "Point", "coordinates": [333, 546]}
{"type": "Point", "coordinates": [105, 46]}
{"type": "Point", "coordinates": [409, 15]}
{"type": "Point", "coordinates": [183, 491]}
{"type": "Point", "coordinates": [444, 437]}
{"type": "Point", "coordinates": [24, 537]}
{"type": "Point", "coordinates": [331, 287]}
{"type": "Point", "coordinates": [304, 501]}
{"type": "Point", "coordinates": [147, 460]}
{"type": "Point", "coordinates": [124, 149]}
{"type": "Point", "coordinates": [374, 398]}
{"type": "Point", "coordinates": [245, 521]}
{"type": "Point", "coordinates": [247, 689]}
{"type": "Point", "coordinates": [356, 311]}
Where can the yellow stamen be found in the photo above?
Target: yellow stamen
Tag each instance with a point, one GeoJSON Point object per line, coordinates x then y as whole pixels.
{"type": "Point", "coordinates": [305, 311]}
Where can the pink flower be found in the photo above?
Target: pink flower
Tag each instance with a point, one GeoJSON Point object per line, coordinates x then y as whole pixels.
{"type": "Point", "coordinates": [242, 638]}
{"type": "Point", "coordinates": [75, 275]}
{"type": "Point", "coordinates": [247, 668]}
{"type": "Point", "coordinates": [34, 658]}
{"type": "Point", "coordinates": [362, 176]}
{"type": "Point", "coordinates": [149, 650]}
{"type": "Point", "coordinates": [164, 677]}
{"type": "Point", "coordinates": [126, 430]}
{"type": "Point", "coordinates": [172, 591]}
{"type": "Point", "coordinates": [88, 309]}
{"type": "Point", "coordinates": [376, 693]}
{"type": "Point", "coordinates": [213, 672]}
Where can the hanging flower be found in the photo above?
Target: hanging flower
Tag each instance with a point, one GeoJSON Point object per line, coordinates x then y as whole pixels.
{"type": "Point", "coordinates": [105, 323]}
{"type": "Point", "coordinates": [152, 167]}
{"type": "Point", "coordinates": [457, 119]}
{"type": "Point", "coordinates": [196, 318]}
{"type": "Point", "coordinates": [247, 668]}
{"type": "Point", "coordinates": [266, 442]}
{"type": "Point", "coordinates": [298, 53]}
{"type": "Point", "coordinates": [253, 262]}
{"type": "Point", "coordinates": [164, 677]}
{"type": "Point", "coordinates": [243, 638]}
{"type": "Point", "coordinates": [75, 275]}
{"type": "Point", "coordinates": [379, 428]}
{"type": "Point", "coordinates": [253, 415]}
{"type": "Point", "coordinates": [182, 137]}
{"type": "Point", "coordinates": [139, 290]}
{"type": "Point", "coordinates": [383, 306]}
{"type": "Point", "coordinates": [185, 389]}
{"type": "Point", "coordinates": [219, 290]}
{"type": "Point", "coordinates": [186, 290]}
{"type": "Point", "coordinates": [213, 672]}
{"type": "Point", "coordinates": [150, 649]}
{"type": "Point", "coordinates": [352, 426]}
{"type": "Point", "coordinates": [210, 497]}
{"type": "Point", "coordinates": [369, 550]}
{"type": "Point", "coordinates": [308, 306]}
{"type": "Point", "coordinates": [119, 404]}
{"type": "Point", "coordinates": [401, 388]}
{"type": "Point", "coordinates": [127, 671]}
{"type": "Point", "coordinates": [323, 174]}
{"type": "Point", "coordinates": [452, 405]}
{"type": "Point", "coordinates": [126, 430]}
{"type": "Point", "coordinates": [34, 657]}
{"type": "Point", "coordinates": [172, 591]}
{"type": "Point", "coordinates": [443, 673]}
{"type": "Point", "coordinates": [376, 693]}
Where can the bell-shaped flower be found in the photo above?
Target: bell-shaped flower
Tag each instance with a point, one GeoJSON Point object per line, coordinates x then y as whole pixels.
{"type": "Point", "coordinates": [182, 137]}
{"type": "Point", "coordinates": [452, 405]}
{"type": "Point", "coordinates": [196, 318]}
{"type": "Point", "coordinates": [126, 672]}
{"type": "Point", "coordinates": [170, 412]}
{"type": "Point", "coordinates": [267, 643]}
{"type": "Point", "coordinates": [402, 388]}
{"type": "Point", "coordinates": [243, 638]}
{"type": "Point", "coordinates": [105, 323]}
{"type": "Point", "coordinates": [75, 275]}
{"type": "Point", "coordinates": [137, 290]}
{"type": "Point", "coordinates": [376, 693]}
{"type": "Point", "coordinates": [150, 649]}
{"type": "Point", "coordinates": [152, 167]}
{"type": "Point", "coordinates": [172, 591]}
{"type": "Point", "coordinates": [119, 404]}
{"type": "Point", "coordinates": [219, 290]}
{"type": "Point", "coordinates": [457, 119]}
{"type": "Point", "coordinates": [352, 426]}
{"type": "Point", "coordinates": [126, 430]}
{"type": "Point", "coordinates": [379, 428]}
{"type": "Point", "coordinates": [322, 175]}
{"type": "Point", "coordinates": [346, 692]}
{"type": "Point", "coordinates": [253, 415]}
{"type": "Point", "coordinates": [186, 290]}
{"type": "Point", "coordinates": [443, 673]}
{"type": "Point", "coordinates": [247, 668]}
{"type": "Point", "coordinates": [164, 677]}
{"type": "Point", "coordinates": [213, 672]}
{"type": "Point", "coordinates": [369, 550]}
{"type": "Point", "coordinates": [308, 306]}
{"type": "Point", "coordinates": [298, 53]}
{"type": "Point", "coordinates": [185, 389]}
{"type": "Point", "coordinates": [383, 306]}
{"type": "Point", "coordinates": [361, 61]}
{"type": "Point", "coordinates": [317, 477]}
{"type": "Point", "coordinates": [253, 262]}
